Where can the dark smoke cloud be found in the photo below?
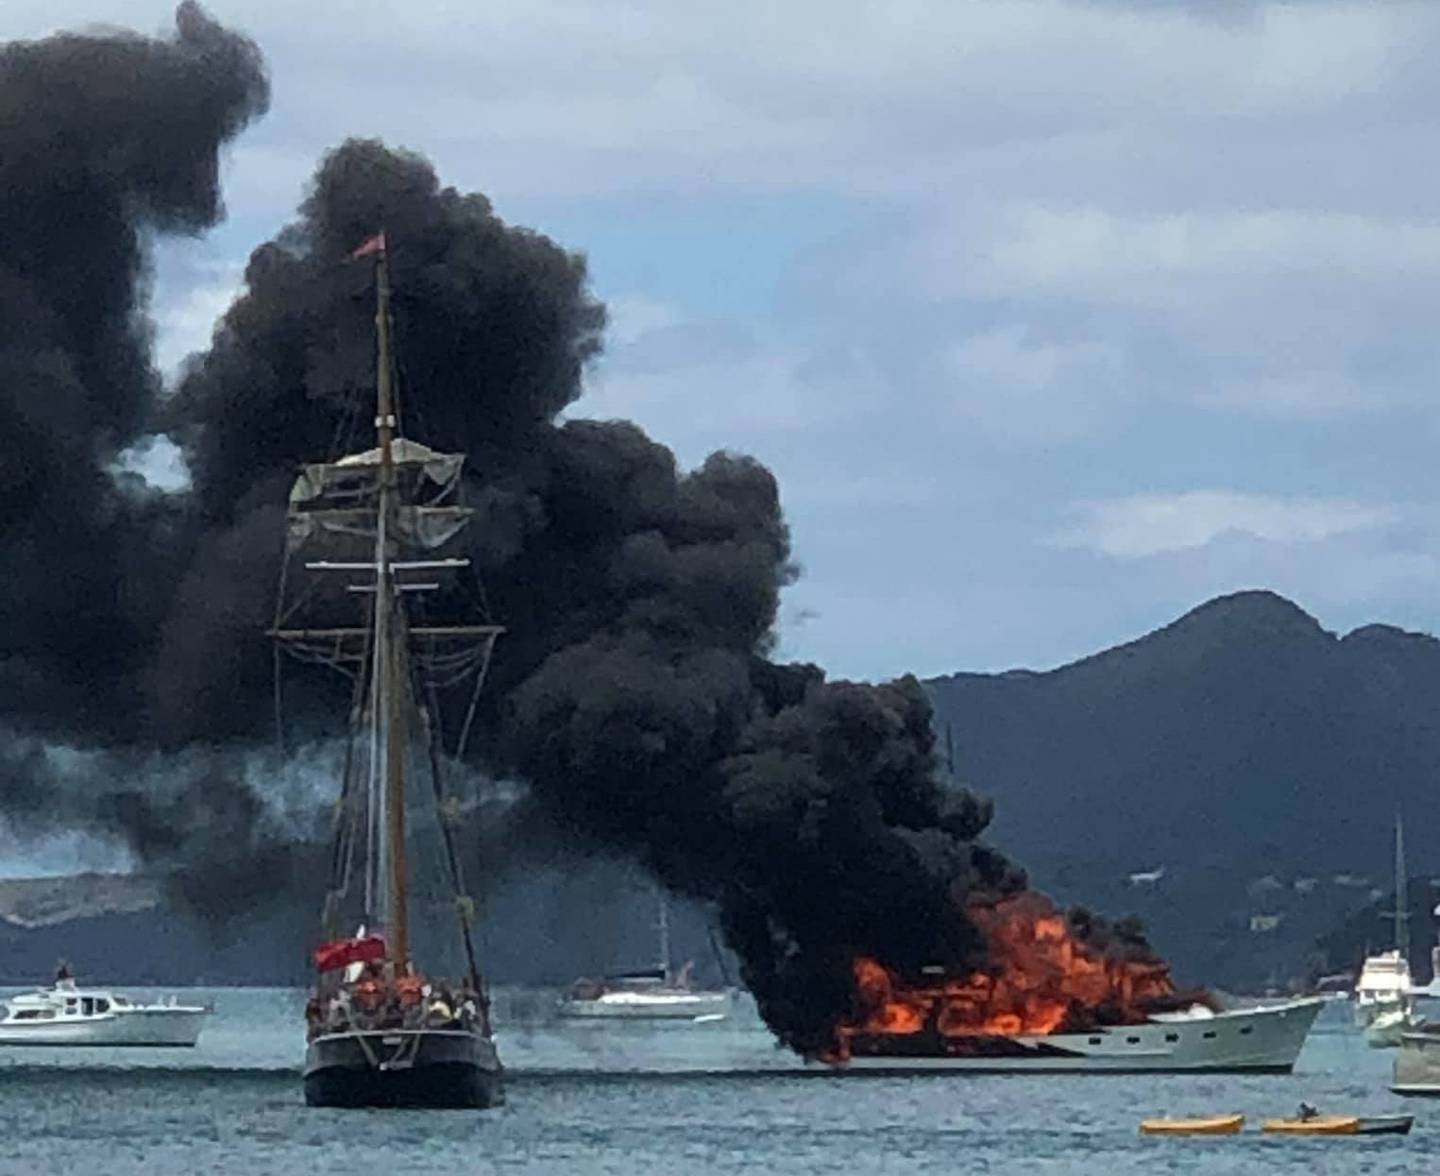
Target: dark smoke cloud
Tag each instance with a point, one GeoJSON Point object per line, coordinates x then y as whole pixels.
{"type": "Point", "coordinates": [105, 141]}
{"type": "Point", "coordinates": [633, 695]}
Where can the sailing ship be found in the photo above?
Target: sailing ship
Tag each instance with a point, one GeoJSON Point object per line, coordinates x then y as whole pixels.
{"type": "Point", "coordinates": [1384, 1006]}
{"type": "Point", "coordinates": [372, 530]}
{"type": "Point", "coordinates": [659, 993]}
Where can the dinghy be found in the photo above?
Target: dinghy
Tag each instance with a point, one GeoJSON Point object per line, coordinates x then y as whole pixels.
{"type": "Point", "coordinates": [1213, 1125]}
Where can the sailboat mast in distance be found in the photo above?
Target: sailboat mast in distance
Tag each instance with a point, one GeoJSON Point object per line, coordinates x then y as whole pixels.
{"type": "Point", "coordinates": [663, 926]}
{"type": "Point", "coordinates": [1402, 897]}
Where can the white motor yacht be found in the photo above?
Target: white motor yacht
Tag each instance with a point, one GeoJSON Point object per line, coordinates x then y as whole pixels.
{"type": "Point", "coordinates": [68, 1015]}
{"type": "Point", "coordinates": [1264, 1040]}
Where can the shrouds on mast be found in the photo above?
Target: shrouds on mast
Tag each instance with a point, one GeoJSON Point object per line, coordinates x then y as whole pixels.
{"type": "Point", "coordinates": [365, 525]}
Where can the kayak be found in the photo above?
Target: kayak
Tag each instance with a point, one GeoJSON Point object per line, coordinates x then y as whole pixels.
{"type": "Point", "coordinates": [1315, 1125]}
{"type": "Point", "coordinates": [1214, 1125]}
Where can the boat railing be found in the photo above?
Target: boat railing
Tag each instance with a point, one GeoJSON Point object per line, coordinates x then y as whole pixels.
{"type": "Point", "coordinates": [355, 1011]}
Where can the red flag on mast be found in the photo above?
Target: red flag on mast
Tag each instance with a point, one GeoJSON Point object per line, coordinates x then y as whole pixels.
{"type": "Point", "coordinates": [376, 244]}
{"type": "Point", "coordinates": [341, 953]}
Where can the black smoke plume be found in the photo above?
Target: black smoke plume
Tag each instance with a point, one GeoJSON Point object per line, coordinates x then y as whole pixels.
{"type": "Point", "coordinates": [633, 694]}
{"type": "Point", "coordinates": [105, 141]}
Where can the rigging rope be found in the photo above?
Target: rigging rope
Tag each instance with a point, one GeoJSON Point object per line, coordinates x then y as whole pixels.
{"type": "Point", "coordinates": [463, 908]}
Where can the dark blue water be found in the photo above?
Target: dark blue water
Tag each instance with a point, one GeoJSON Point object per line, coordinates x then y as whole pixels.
{"type": "Point", "coordinates": [659, 1101]}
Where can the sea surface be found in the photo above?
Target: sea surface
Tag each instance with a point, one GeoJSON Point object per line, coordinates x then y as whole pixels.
{"type": "Point", "coordinates": [663, 1100]}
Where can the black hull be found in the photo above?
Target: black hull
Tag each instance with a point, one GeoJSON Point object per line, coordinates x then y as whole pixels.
{"type": "Point", "coordinates": [403, 1068]}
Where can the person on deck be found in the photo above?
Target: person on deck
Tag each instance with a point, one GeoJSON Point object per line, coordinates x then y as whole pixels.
{"type": "Point", "coordinates": [410, 998]}
{"type": "Point", "coordinates": [338, 1014]}
{"type": "Point", "coordinates": [369, 999]}
{"type": "Point", "coordinates": [313, 1015]}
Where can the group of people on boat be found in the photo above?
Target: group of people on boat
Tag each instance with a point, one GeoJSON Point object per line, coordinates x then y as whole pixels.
{"type": "Point", "coordinates": [377, 999]}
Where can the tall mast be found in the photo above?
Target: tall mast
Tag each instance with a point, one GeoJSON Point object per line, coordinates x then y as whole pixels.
{"type": "Point", "coordinates": [1402, 905]}
{"type": "Point", "coordinates": [663, 926]}
{"type": "Point", "coordinates": [389, 703]}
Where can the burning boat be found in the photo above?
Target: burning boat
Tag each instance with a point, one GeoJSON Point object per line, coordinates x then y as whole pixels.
{"type": "Point", "coordinates": [1049, 999]}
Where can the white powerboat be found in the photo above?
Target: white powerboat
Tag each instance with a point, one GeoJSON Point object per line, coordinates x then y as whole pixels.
{"type": "Point", "coordinates": [660, 993]}
{"type": "Point", "coordinates": [1264, 1039]}
{"type": "Point", "coordinates": [67, 1015]}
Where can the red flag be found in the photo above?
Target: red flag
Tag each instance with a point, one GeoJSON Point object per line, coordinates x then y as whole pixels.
{"type": "Point", "coordinates": [341, 953]}
{"type": "Point", "coordinates": [376, 244]}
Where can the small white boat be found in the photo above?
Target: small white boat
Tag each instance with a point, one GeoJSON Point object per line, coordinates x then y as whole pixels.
{"type": "Point", "coordinates": [66, 1015]}
{"type": "Point", "coordinates": [656, 994]}
{"type": "Point", "coordinates": [644, 997]}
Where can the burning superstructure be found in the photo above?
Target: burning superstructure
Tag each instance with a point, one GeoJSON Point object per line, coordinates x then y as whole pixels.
{"type": "Point", "coordinates": [1059, 992]}
{"type": "Point", "coordinates": [1040, 977]}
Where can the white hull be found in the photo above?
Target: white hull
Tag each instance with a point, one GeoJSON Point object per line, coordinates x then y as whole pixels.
{"type": "Point", "coordinates": [1417, 1064]}
{"type": "Point", "coordinates": [1258, 1039]}
{"type": "Point", "coordinates": [648, 1006]}
{"type": "Point", "coordinates": [1386, 1029]}
{"type": "Point", "coordinates": [160, 1027]}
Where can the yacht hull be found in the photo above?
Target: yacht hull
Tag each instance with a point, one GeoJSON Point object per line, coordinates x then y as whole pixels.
{"type": "Point", "coordinates": [1256, 1041]}
{"type": "Point", "coordinates": [1417, 1064]}
{"type": "Point", "coordinates": [1386, 1030]}
{"type": "Point", "coordinates": [625, 1006]}
{"type": "Point", "coordinates": [439, 1068]}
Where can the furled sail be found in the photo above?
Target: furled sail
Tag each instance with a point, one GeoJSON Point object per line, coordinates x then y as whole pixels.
{"type": "Point", "coordinates": [334, 500]}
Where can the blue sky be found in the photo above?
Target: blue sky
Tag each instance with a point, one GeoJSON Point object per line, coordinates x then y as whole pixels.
{"type": "Point", "coordinates": [1054, 319]}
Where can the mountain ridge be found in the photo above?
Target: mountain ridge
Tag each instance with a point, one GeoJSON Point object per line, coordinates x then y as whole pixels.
{"type": "Point", "coordinates": [1241, 741]}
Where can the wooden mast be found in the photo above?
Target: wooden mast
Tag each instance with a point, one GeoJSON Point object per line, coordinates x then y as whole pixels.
{"type": "Point", "coordinates": [388, 625]}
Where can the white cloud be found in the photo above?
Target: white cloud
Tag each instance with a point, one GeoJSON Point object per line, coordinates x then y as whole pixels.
{"type": "Point", "coordinates": [852, 94]}
{"type": "Point", "coordinates": [634, 315]}
{"type": "Point", "coordinates": [1097, 255]}
{"type": "Point", "coordinates": [705, 402]}
{"type": "Point", "coordinates": [1304, 395]}
{"type": "Point", "coordinates": [1140, 525]}
{"type": "Point", "coordinates": [1016, 385]}
{"type": "Point", "coordinates": [159, 461]}
{"type": "Point", "coordinates": [185, 317]}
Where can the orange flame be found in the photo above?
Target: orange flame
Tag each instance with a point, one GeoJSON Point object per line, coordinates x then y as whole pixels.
{"type": "Point", "coordinates": [1039, 978]}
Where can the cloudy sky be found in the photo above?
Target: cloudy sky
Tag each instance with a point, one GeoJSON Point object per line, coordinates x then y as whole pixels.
{"type": "Point", "coordinates": [1054, 319]}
